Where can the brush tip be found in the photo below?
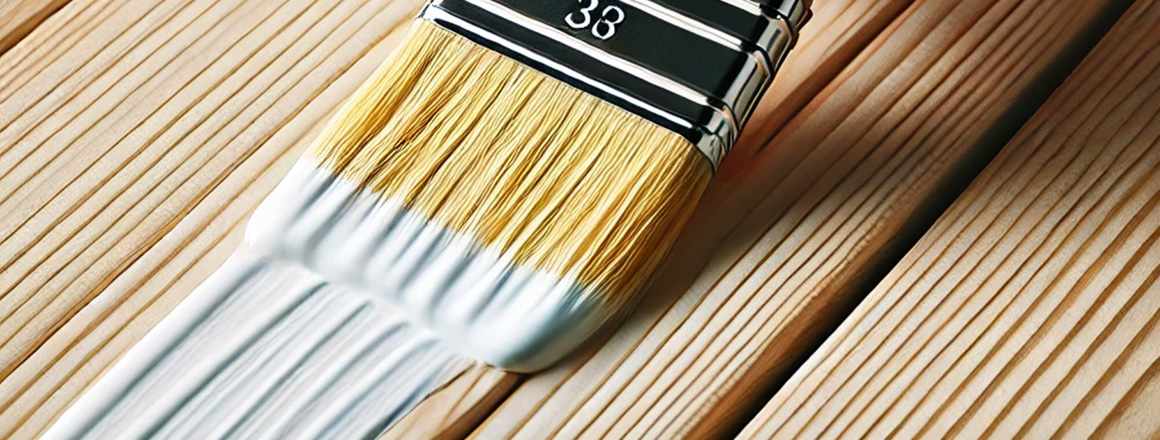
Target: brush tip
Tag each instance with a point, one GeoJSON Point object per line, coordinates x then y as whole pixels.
{"type": "Point", "coordinates": [479, 301]}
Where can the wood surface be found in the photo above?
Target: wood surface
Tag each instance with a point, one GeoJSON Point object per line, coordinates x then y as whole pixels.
{"type": "Point", "coordinates": [1030, 309]}
{"type": "Point", "coordinates": [136, 136]}
{"type": "Point", "coordinates": [813, 219]}
{"type": "Point", "coordinates": [19, 17]}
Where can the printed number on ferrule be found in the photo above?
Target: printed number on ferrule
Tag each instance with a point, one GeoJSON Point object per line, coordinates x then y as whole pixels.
{"type": "Point", "coordinates": [603, 27]}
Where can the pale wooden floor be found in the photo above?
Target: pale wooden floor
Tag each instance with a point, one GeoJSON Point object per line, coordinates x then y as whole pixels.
{"type": "Point", "coordinates": [136, 135]}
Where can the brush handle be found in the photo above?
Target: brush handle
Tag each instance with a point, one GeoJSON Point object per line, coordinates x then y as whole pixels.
{"type": "Point", "coordinates": [696, 71]}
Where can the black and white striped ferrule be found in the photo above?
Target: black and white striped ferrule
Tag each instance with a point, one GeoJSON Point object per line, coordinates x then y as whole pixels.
{"type": "Point", "coordinates": [696, 67]}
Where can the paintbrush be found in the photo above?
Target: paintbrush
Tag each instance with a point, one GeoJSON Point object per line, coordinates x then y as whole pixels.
{"type": "Point", "coordinates": [507, 183]}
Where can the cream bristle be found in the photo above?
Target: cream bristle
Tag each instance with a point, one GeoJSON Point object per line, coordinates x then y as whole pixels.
{"type": "Point", "coordinates": [557, 179]}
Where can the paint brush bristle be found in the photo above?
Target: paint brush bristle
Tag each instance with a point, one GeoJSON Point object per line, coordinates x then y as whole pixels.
{"type": "Point", "coordinates": [559, 180]}
{"type": "Point", "coordinates": [477, 143]}
{"type": "Point", "coordinates": [509, 167]}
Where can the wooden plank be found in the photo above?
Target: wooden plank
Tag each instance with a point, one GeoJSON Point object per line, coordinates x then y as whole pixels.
{"type": "Point", "coordinates": [804, 227]}
{"type": "Point", "coordinates": [1030, 309]}
{"type": "Point", "coordinates": [836, 34]}
{"type": "Point", "coordinates": [19, 17]}
{"type": "Point", "coordinates": [135, 141]}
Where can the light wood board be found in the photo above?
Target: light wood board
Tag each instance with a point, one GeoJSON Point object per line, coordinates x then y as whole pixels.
{"type": "Point", "coordinates": [136, 135]}
{"type": "Point", "coordinates": [1030, 309]}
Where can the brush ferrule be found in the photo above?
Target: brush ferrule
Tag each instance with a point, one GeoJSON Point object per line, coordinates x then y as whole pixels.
{"type": "Point", "coordinates": [696, 67]}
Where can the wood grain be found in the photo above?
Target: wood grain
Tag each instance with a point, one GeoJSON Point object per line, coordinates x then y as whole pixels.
{"type": "Point", "coordinates": [456, 409]}
{"type": "Point", "coordinates": [805, 226]}
{"type": "Point", "coordinates": [19, 17]}
{"type": "Point", "coordinates": [135, 140]}
{"type": "Point", "coordinates": [1031, 308]}
{"type": "Point", "coordinates": [136, 136]}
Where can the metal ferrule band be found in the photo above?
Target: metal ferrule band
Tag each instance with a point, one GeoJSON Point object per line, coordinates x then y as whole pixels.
{"type": "Point", "coordinates": [695, 67]}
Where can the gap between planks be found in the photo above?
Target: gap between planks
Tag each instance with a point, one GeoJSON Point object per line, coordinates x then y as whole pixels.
{"type": "Point", "coordinates": [20, 17]}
